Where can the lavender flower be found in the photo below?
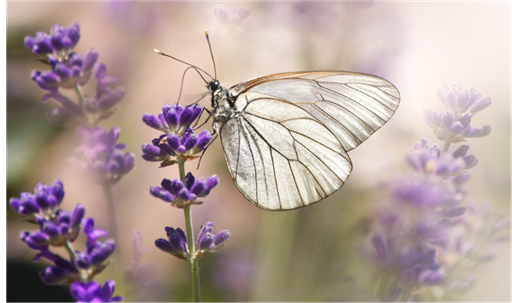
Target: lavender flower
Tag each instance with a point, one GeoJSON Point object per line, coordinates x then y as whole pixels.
{"type": "Point", "coordinates": [101, 156]}
{"type": "Point", "coordinates": [179, 143]}
{"type": "Point", "coordinates": [176, 244]}
{"type": "Point", "coordinates": [70, 70]}
{"type": "Point", "coordinates": [42, 204]}
{"type": "Point", "coordinates": [453, 125]}
{"type": "Point", "coordinates": [59, 42]}
{"type": "Point", "coordinates": [93, 292]}
{"type": "Point", "coordinates": [141, 271]}
{"type": "Point", "coordinates": [237, 20]}
{"type": "Point", "coordinates": [417, 237]}
{"type": "Point", "coordinates": [63, 272]}
{"type": "Point", "coordinates": [59, 228]}
{"type": "Point", "coordinates": [182, 195]}
{"type": "Point", "coordinates": [207, 241]}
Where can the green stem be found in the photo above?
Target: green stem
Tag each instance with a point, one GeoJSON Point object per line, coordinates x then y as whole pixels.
{"type": "Point", "coordinates": [194, 268]}
{"type": "Point", "coordinates": [70, 251]}
{"type": "Point", "coordinates": [90, 121]}
{"type": "Point", "coordinates": [109, 201]}
{"type": "Point", "coordinates": [80, 96]}
{"type": "Point", "coordinates": [446, 145]}
{"type": "Point", "coordinates": [107, 192]}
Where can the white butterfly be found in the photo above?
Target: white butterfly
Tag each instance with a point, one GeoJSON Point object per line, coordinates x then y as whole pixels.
{"type": "Point", "coordinates": [286, 136]}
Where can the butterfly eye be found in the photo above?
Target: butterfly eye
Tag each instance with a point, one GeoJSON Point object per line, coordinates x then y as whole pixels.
{"type": "Point", "coordinates": [213, 85]}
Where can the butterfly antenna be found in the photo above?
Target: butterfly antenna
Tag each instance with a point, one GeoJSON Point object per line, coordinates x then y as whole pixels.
{"type": "Point", "coordinates": [211, 52]}
{"type": "Point", "coordinates": [191, 65]}
{"type": "Point", "coordinates": [183, 81]}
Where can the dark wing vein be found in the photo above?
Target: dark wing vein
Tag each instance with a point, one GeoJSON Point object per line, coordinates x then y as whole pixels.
{"type": "Point", "coordinates": [355, 115]}
{"type": "Point", "coordinates": [316, 120]}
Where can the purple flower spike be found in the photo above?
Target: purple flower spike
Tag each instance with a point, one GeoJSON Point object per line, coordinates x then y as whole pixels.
{"type": "Point", "coordinates": [60, 41]}
{"type": "Point", "coordinates": [102, 158]}
{"type": "Point", "coordinates": [453, 125]}
{"type": "Point", "coordinates": [43, 203]}
{"type": "Point", "coordinates": [182, 195]}
{"type": "Point", "coordinates": [179, 142]}
{"type": "Point", "coordinates": [176, 244]}
{"type": "Point", "coordinates": [207, 241]}
{"type": "Point", "coordinates": [93, 292]}
{"type": "Point", "coordinates": [69, 71]}
{"type": "Point", "coordinates": [62, 273]}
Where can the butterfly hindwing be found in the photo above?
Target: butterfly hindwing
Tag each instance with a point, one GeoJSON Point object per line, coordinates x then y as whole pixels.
{"type": "Point", "coordinates": [280, 156]}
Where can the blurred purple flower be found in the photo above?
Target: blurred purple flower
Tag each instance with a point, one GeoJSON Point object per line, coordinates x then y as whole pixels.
{"type": "Point", "coordinates": [69, 71]}
{"type": "Point", "coordinates": [101, 156]}
{"type": "Point", "coordinates": [142, 272]}
{"type": "Point", "coordinates": [454, 124]}
{"type": "Point", "coordinates": [237, 20]}
{"type": "Point", "coordinates": [59, 42]}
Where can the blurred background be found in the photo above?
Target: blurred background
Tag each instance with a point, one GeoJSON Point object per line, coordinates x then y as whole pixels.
{"type": "Point", "coordinates": [310, 254]}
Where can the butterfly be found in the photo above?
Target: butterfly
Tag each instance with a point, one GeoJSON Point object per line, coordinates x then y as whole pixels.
{"type": "Point", "coordinates": [286, 136]}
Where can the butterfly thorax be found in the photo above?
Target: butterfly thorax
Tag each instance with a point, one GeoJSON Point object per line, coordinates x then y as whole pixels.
{"type": "Point", "coordinates": [225, 105]}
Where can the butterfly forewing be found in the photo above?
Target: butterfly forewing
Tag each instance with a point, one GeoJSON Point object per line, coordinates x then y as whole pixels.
{"type": "Point", "coordinates": [351, 105]}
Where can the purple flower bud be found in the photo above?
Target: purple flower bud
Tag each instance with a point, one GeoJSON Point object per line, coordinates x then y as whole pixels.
{"type": "Point", "coordinates": [431, 117]}
{"type": "Point", "coordinates": [480, 104]}
{"type": "Point", "coordinates": [89, 60]}
{"type": "Point", "coordinates": [189, 180]}
{"type": "Point", "coordinates": [446, 119]}
{"type": "Point", "coordinates": [171, 117]}
{"type": "Point", "coordinates": [456, 127]}
{"type": "Point", "coordinates": [380, 247]}
{"type": "Point", "coordinates": [477, 131]}
{"type": "Point", "coordinates": [161, 194]}
{"type": "Point", "coordinates": [175, 186]}
{"type": "Point", "coordinates": [153, 153]}
{"type": "Point", "coordinates": [455, 212]}
{"type": "Point", "coordinates": [62, 71]}
{"type": "Point", "coordinates": [190, 142]}
{"type": "Point", "coordinates": [470, 161]}
{"type": "Point", "coordinates": [74, 33]}
{"type": "Point", "coordinates": [56, 275]}
{"type": "Point", "coordinates": [221, 237]}
{"type": "Point", "coordinates": [152, 121]}
{"type": "Point", "coordinates": [207, 241]}
{"type": "Point", "coordinates": [462, 100]}
{"type": "Point", "coordinates": [202, 141]}
{"type": "Point", "coordinates": [198, 187]}
{"type": "Point", "coordinates": [177, 244]}
{"type": "Point", "coordinates": [212, 182]}
{"type": "Point", "coordinates": [465, 120]}
{"type": "Point", "coordinates": [460, 151]}
{"type": "Point", "coordinates": [173, 141]}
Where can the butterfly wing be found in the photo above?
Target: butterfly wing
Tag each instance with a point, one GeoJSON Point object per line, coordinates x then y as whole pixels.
{"type": "Point", "coordinates": [351, 105]}
{"type": "Point", "coordinates": [280, 157]}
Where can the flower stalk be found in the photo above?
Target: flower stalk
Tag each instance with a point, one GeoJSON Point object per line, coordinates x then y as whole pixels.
{"type": "Point", "coordinates": [176, 145]}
